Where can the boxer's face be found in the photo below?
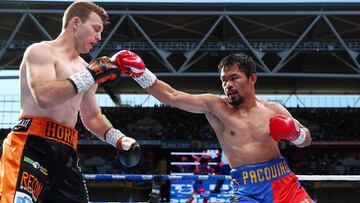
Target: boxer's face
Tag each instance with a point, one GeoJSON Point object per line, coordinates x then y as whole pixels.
{"type": "Point", "coordinates": [88, 33]}
{"type": "Point", "coordinates": [235, 84]}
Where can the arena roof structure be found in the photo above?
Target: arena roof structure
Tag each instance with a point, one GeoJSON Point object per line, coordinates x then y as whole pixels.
{"type": "Point", "coordinates": [299, 47]}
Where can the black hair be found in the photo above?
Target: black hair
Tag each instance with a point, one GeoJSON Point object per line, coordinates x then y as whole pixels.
{"type": "Point", "coordinates": [243, 61]}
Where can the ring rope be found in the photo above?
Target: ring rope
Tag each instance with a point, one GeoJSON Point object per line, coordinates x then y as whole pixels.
{"type": "Point", "coordinates": [206, 177]}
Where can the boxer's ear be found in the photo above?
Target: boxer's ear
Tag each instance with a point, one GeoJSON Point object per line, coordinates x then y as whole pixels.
{"type": "Point", "coordinates": [75, 22]}
{"type": "Point", "coordinates": [253, 78]}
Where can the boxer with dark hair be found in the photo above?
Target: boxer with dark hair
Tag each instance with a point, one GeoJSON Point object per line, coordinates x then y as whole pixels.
{"type": "Point", "coordinates": [248, 128]}
{"type": "Point", "coordinates": [39, 161]}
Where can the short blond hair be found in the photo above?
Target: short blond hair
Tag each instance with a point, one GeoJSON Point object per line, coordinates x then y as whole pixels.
{"type": "Point", "coordinates": [82, 9]}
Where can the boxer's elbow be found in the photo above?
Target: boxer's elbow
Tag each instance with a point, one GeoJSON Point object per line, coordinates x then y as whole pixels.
{"type": "Point", "coordinates": [164, 93]}
{"type": "Point", "coordinates": [166, 97]}
{"type": "Point", "coordinates": [43, 102]}
{"type": "Point", "coordinates": [170, 99]}
{"type": "Point", "coordinates": [306, 143]}
{"type": "Point", "coordinates": [308, 139]}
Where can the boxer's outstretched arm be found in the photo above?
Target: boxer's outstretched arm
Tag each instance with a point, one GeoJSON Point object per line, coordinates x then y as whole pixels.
{"type": "Point", "coordinates": [133, 65]}
{"type": "Point", "coordinates": [182, 100]}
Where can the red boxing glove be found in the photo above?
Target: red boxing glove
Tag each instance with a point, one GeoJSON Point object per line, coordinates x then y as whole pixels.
{"type": "Point", "coordinates": [285, 128]}
{"type": "Point", "coordinates": [132, 64]}
{"type": "Point", "coordinates": [129, 63]}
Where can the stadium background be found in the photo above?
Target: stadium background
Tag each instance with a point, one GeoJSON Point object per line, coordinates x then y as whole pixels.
{"type": "Point", "coordinates": [301, 49]}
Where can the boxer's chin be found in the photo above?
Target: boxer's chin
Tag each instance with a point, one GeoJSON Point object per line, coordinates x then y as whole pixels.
{"type": "Point", "coordinates": [236, 101]}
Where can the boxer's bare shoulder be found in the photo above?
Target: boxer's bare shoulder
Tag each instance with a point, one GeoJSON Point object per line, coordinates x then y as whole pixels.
{"type": "Point", "coordinates": [38, 52]}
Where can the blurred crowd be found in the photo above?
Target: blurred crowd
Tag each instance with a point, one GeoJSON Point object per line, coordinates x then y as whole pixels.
{"type": "Point", "coordinates": [329, 124]}
{"type": "Point", "coordinates": [325, 163]}
{"type": "Point", "coordinates": [158, 123]}
{"type": "Point", "coordinates": [101, 161]}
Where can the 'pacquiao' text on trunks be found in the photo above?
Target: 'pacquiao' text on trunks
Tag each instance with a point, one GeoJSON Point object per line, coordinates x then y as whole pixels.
{"type": "Point", "coordinates": [260, 173]}
{"type": "Point", "coordinates": [266, 173]}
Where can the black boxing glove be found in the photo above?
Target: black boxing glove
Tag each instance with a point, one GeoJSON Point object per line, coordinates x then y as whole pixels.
{"type": "Point", "coordinates": [129, 149]}
{"type": "Point", "coordinates": [98, 71]}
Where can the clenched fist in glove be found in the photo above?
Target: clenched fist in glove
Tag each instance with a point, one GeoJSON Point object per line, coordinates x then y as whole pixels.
{"type": "Point", "coordinates": [130, 63]}
{"type": "Point", "coordinates": [285, 128]}
{"type": "Point", "coordinates": [98, 71]}
{"type": "Point", "coordinates": [129, 148]}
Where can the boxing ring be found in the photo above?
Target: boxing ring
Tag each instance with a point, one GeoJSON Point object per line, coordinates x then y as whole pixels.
{"type": "Point", "coordinates": [154, 195]}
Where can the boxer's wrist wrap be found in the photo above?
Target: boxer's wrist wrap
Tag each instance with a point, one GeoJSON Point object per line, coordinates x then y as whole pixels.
{"type": "Point", "coordinates": [82, 80]}
{"type": "Point", "coordinates": [147, 79]}
{"type": "Point", "coordinates": [301, 138]}
{"type": "Point", "coordinates": [112, 136]}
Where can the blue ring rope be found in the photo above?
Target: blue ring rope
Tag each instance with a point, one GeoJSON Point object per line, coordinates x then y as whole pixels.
{"type": "Point", "coordinates": [151, 177]}
{"type": "Point", "coordinates": [109, 177]}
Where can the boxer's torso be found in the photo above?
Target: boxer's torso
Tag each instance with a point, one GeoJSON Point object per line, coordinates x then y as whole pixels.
{"type": "Point", "coordinates": [64, 65]}
{"type": "Point", "coordinates": [244, 134]}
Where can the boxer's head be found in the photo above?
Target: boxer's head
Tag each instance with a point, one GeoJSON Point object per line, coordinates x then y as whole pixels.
{"type": "Point", "coordinates": [84, 22]}
{"type": "Point", "coordinates": [238, 77]}
{"type": "Point", "coordinates": [82, 9]}
{"type": "Point", "coordinates": [243, 62]}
